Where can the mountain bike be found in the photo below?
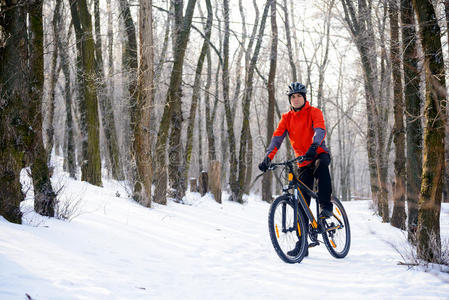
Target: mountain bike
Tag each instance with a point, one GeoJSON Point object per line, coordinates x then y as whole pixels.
{"type": "Point", "coordinates": [291, 221]}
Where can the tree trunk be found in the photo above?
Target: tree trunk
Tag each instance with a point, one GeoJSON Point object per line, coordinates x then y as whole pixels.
{"type": "Point", "coordinates": [381, 106]}
{"type": "Point", "coordinates": [172, 115]}
{"type": "Point", "coordinates": [196, 92]}
{"type": "Point", "coordinates": [267, 178]}
{"type": "Point", "coordinates": [360, 25]}
{"type": "Point", "coordinates": [130, 66]}
{"type": "Point", "coordinates": [91, 166]}
{"type": "Point", "coordinates": [91, 170]}
{"type": "Point", "coordinates": [446, 173]}
{"type": "Point", "coordinates": [248, 162]}
{"type": "Point", "coordinates": [342, 191]}
{"type": "Point", "coordinates": [175, 161]}
{"type": "Point", "coordinates": [107, 113]}
{"type": "Point", "coordinates": [110, 52]}
{"type": "Point", "coordinates": [44, 196]}
{"type": "Point", "coordinates": [399, 216]}
{"type": "Point", "coordinates": [50, 105]}
{"type": "Point", "coordinates": [296, 42]}
{"type": "Point", "coordinates": [209, 121]}
{"type": "Point", "coordinates": [428, 237]}
{"type": "Point", "coordinates": [245, 131]}
{"type": "Point", "coordinates": [69, 142]}
{"type": "Point", "coordinates": [163, 55]}
{"type": "Point", "coordinates": [325, 59]}
{"type": "Point", "coordinates": [229, 118]}
{"type": "Point", "coordinates": [238, 62]}
{"type": "Point", "coordinates": [142, 141]}
{"type": "Point", "coordinates": [193, 182]}
{"type": "Point", "coordinates": [80, 102]}
{"type": "Point", "coordinates": [203, 183]}
{"type": "Point", "coordinates": [413, 109]}
{"type": "Point", "coordinates": [13, 60]}
{"type": "Point", "coordinates": [200, 139]}
{"type": "Point", "coordinates": [214, 180]}
{"type": "Point", "coordinates": [289, 43]}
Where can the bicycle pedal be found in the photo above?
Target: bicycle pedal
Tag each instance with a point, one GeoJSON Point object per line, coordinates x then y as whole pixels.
{"type": "Point", "coordinates": [311, 245]}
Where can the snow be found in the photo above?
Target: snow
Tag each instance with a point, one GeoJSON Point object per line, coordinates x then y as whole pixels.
{"type": "Point", "coordinates": [114, 248]}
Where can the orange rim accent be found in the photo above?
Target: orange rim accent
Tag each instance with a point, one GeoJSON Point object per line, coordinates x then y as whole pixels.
{"type": "Point", "coordinates": [277, 230]}
{"type": "Point", "coordinates": [338, 211]}
{"type": "Point", "coordinates": [333, 244]}
{"type": "Point", "coordinates": [333, 228]}
{"type": "Point", "coordinates": [299, 230]}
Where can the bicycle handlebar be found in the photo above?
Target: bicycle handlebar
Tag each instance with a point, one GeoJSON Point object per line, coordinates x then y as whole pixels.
{"type": "Point", "coordinates": [273, 166]}
{"type": "Point", "coordinates": [299, 159]}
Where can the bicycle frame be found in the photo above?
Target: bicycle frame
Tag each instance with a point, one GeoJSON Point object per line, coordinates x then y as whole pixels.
{"type": "Point", "coordinates": [299, 187]}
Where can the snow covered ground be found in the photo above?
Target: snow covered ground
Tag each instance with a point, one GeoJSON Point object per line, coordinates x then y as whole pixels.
{"type": "Point", "coordinates": [117, 249]}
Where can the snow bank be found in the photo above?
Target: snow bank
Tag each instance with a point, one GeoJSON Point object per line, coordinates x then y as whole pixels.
{"type": "Point", "coordinates": [116, 249]}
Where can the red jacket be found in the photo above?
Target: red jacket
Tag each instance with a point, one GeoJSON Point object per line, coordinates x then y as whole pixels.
{"type": "Point", "coordinates": [301, 127]}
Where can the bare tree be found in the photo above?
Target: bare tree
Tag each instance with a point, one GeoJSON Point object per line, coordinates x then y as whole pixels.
{"type": "Point", "coordinates": [233, 167]}
{"type": "Point", "coordinates": [62, 41]}
{"type": "Point", "coordinates": [428, 235]}
{"type": "Point", "coordinates": [53, 78]}
{"type": "Point", "coordinates": [91, 166]}
{"type": "Point", "coordinates": [289, 41]}
{"type": "Point", "coordinates": [129, 54]}
{"type": "Point", "coordinates": [267, 179]}
{"type": "Point", "coordinates": [144, 105]}
{"type": "Point", "coordinates": [399, 216]}
{"type": "Point", "coordinates": [413, 112]}
{"type": "Point", "coordinates": [172, 115]}
{"type": "Point", "coordinates": [196, 92]}
{"type": "Point", "coordinates": [21, 86]}
{"type": "Point", "coordinates": [13, 52]}
{"type": "Point", "coordinates": [107, 113]}
{"type": "Point", "coordinates": [323, 63]}
{"type": "Point", "coordinates": [44, 196]}
{"type": "Point", "coordinates": [359, 22]}
{"type": "Point", "coordinates": [245, 134]}
{"type": "Point", "coordinates": [209, 114]}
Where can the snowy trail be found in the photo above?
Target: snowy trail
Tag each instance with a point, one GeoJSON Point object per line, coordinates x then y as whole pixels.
{"type": "Point", "coordinates": [117, 249]}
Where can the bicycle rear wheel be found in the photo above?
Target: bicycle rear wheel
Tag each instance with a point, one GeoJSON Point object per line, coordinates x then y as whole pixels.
{"type": "Point", "coordinates": [337, 234]}
{"type": "Point", "coordinates": [288, 239]}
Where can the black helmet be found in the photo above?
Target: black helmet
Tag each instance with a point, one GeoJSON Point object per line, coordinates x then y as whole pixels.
{"type": "Point", "coordinates": [296, 87]}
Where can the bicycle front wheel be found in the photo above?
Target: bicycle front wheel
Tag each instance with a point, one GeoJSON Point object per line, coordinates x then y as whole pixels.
{"type": "Point", "coordinates": [337, 234]}
{"type": "Point", "coordinates": [288, 239]}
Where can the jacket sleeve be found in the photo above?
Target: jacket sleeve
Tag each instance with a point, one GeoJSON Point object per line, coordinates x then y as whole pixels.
{"type": "Point", "coordinates": [318, 127]}
{"type": "Point", "coordinates": [278, 137]}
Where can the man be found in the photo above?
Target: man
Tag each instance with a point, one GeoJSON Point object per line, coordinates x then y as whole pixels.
{"type": "Point", "coordinates": [305, 127]}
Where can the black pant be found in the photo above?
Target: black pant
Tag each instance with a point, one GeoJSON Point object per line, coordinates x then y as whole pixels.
{"type": "Point", "coordinates": [318, 169]}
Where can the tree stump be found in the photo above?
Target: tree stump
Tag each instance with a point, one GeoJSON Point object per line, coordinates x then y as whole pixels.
{"type": "Point", "coordinates": [203, 183]}
{"type": "Point", "coordinates": [193, 185]}
{"type": "Point", "coordinates": [215, 179]}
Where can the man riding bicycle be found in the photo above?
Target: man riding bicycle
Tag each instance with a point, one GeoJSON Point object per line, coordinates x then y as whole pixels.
{"type": "Point", "coordinates": [305, 127]}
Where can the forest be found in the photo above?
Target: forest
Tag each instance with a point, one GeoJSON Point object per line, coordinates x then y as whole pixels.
{"type": "Point", "coordinates": [164, 96]}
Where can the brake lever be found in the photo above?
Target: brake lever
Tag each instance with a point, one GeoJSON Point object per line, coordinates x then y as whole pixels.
{"type": "Point", "coordinates": [272, 167]}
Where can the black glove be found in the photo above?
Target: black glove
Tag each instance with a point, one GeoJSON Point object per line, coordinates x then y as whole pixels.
{"type": "Point", "coordinates": [265, 164]}
{"type": "Point", "coordinates": [311, 153]}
